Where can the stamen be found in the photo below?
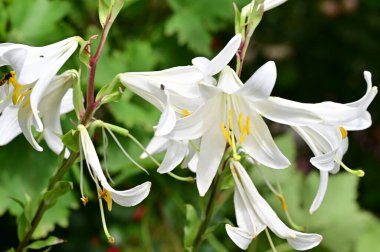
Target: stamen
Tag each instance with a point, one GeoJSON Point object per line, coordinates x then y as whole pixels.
{"type": "Point", "coordinates": [344, 132]}
{"type": "Point", "coordinates": [241, 140]}
{"type": "Point", "coordinates": [84, 200]}
{"type": "Point", "coordinates": [226, 134]}
{"type": "Point", "coordinates": [240, 122]}
{"type": "Point", "coordinates": [125, 152]}
{"type": "Point", "coordinates": [273, 247]}
{"type": "Point", "coordinates": [106, 195]}
{"type": "Point", "coordinates": [185, 113]}
{"type": "Point", "coordinates": [110, 238]}
{"type": "Point", "coordinates": [359, 173]}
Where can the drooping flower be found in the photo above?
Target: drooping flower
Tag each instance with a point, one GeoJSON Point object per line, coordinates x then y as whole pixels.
{"type": "Point", "coordinates": [33, 71]}
{"type": "Point", "coordinates": [126, 198]}
{"type": "Point", "coordinates": [329, 141]}
{"type": "Point", "coordinates": [175, 92]}
{"type": "Point", "coordinates": [17, 117]}
{"type": "Point", "coordinates": [254, 214]}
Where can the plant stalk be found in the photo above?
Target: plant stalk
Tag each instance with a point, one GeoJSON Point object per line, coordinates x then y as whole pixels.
{"type": "Point", "coordinates": [210, 208]}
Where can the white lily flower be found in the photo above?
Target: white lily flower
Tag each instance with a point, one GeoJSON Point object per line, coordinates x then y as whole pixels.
{"type": "Point", "coordinates": [126, 198]}
{"type": "Point", "coordinates": [231, 115]}
{"type": "Point", "coordinates": [175, 92]}
{"type": "Point", "coordinates": [55, 101]}
{"type": "Point", "coordinates": [329, 142]}
{"type": "Point", "coordinates": [254, 214]}
{"type": "Point", "coordinates": [34, 68]}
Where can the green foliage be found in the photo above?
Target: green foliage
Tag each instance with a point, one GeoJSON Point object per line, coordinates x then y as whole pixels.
{"type": "Point", "coordinates": [50, 241]}
{"type": "Point", "coordinates": [204, 16]}
{"type": "Point", "coordinates": [24, 179]}
{"type": "Point", "coordinates": [24, 19]}
{"type": "Point", "coordinates": [191, 228]}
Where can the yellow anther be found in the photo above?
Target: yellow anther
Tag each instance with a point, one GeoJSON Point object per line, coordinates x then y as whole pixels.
{"type": "Point", "coordinates": [248, 125]}
{"type": "Point", "coordinates": [226, 134]}
{"type": "Point", "coordinates": [283, 202]}
{"type": "Point", "coordinates": [344, 132]}
{"type": "Point", "coordinates": [185, 113]}
{"type": "Point", "coordinates": [84, 200]}
{"type": "Point", "coordinates": [240, 122]}
{"type": "Point", "coordinates": [230, 125]}
{"type": "Point", "coordinates": [243, 134]}
{"type": "Point", "coordinates": [106, 195]}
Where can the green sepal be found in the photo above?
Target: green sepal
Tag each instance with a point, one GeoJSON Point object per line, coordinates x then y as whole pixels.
{"type": "Point", "coordinates": [238, 25]}
{"type": "Point", "coordinates": [50, 197]}
{"type": "Point", "coordinates": [109, 9]}
{"type": "Point", "coordinates": [78, 98]}
{"type": "Point", "coordinates": [84, 52]}
{"type": "Point", "coordinates": [110, 92]}
{"type": "Point", "coordinates": [50, 241]}
{"type": "Point", "coordinates": [191, 227]}
{"type": "Point", "coordinates": [71, 140]}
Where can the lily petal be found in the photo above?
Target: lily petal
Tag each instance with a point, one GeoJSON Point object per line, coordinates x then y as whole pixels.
{"type": "Point", "coordinates": [259, 144]}
{"type": "Point", "coordinates": [9, 126]}
{"type": "Point", "coordinates": [239, 236]}
{"type": "Point", "coordinates": [261, 83]}
{"type": "Point", "coordinates": [324, 177]}
{"type": "Point", "coordinates": [129, 197]}
{"type": "Point", "coordinates": [156, 145]}
{"type": "Point", "coordinates": [298, 240]}
{"type": "Point", "coordinates": [175, 153]}
{"type": "Point", "coordinates": [197, 123]}
{"type": "Point", "coordinates": [211, 153]}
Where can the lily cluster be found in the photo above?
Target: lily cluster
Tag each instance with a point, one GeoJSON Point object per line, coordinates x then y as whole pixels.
{"type": "Point", "coordinates": [206, 110]}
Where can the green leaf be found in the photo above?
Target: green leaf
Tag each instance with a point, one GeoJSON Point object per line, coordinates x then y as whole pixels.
{"type": "Point", "coordinates": [197, 19]}
{"type": "Point", "coordinates": [191, 228]}
{"type": "Point", "coordinates": [109, 9]}
{"type": "Point", "coordinates": [60, 188]}
{"type": "Point", "coordinates": [32, 20]}
{"type": "Point", "coordinates": [25, 179]}
{"type": "Point", "coordinates": [50, 241]}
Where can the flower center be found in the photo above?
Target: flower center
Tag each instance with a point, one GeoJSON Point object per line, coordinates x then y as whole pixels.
{"type": "Point", "coordinates": [19, 92]}
{"type": "Point", "coordinates": [229, 136]}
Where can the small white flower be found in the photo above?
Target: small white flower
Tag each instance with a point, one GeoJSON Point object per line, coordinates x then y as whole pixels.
{"type": "Point", "coordinates": [126, 198]}
{"type": "Point", "coordinates": [56, 100]}
{"type": "Point", "coordinates": [254, 214]}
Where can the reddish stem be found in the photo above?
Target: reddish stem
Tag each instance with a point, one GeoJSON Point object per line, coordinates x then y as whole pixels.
{"type": "Point", "coordinates": [93, 62]}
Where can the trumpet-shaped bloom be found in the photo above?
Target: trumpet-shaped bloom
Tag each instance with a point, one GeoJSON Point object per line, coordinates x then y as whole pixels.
{"type": "Point", "coordinates": [127, 198]}
{"type": "Point", "coordinates": [176, 93]}
{"type": "Point", "coordinates": [329, 141]}
{"type": "Point", "coordinates": [34, 68]}
{"type": "Point", "coordinates": [230, 115]}
{"type": "Point", "coordinates": [254, 214]}
{"type": "Point", "coordinates": [56, 100]}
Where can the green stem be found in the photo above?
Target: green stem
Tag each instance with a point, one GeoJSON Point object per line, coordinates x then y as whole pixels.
{"type": "Point", "coordinates": [210, 208]}
{"type": "Point", "coordinates": [42, 207]}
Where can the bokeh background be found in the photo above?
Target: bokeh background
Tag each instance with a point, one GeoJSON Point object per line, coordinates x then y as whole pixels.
{"type": "Point", "coordinates": [321, 49]}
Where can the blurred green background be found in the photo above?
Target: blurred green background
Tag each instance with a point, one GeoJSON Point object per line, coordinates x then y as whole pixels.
{"type": "Point", "coordinates": [321, 49]}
